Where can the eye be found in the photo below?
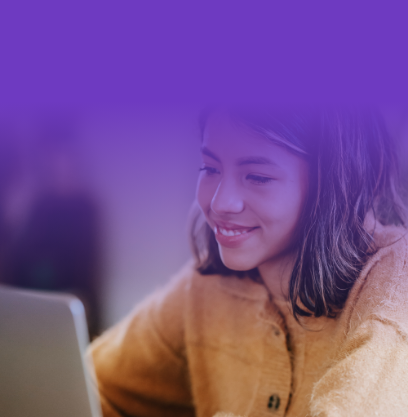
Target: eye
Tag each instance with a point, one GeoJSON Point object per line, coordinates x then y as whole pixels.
{"type": "Point", "coordinates": [209, 170]}
{"type": "Point", "coordinates": [258, 179]}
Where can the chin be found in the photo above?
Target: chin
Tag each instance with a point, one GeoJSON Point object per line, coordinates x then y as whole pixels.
{"type": "Point", "coordinates": [237, 262]}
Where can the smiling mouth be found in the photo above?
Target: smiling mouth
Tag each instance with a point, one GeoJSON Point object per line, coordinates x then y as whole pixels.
{"type": "Point", "coordinates": [232, 232]}
{"type": "Point", "coordinates": [233, 238]}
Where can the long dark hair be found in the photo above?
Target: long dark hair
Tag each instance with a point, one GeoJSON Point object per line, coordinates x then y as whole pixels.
{"type": "Point", "coordinates": [353, 169]}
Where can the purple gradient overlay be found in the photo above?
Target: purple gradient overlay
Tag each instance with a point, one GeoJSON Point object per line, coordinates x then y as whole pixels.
{"type": "Point", "coordinates": [103, 97]}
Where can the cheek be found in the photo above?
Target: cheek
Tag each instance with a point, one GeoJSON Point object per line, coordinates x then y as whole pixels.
{"type": "Point", "coordinates": [293, 208]}
{"type": "Point", "coordinates": [280, 208]}
{"type": "Point", "coordinates": [204, 194]}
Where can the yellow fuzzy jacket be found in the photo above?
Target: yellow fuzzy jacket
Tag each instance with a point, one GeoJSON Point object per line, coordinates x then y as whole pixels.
{"type": "Point", "coordinates": [210, 344]}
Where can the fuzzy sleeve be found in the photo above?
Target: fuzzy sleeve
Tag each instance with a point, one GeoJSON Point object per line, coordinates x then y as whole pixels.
{"type": "Point", "coordinates": [140, 365]}
{"type": "Point", "coordinates": [370, 374]}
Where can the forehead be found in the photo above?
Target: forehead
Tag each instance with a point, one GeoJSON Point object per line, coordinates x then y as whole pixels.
{"type": "Point", "coordinates": [228, 138]}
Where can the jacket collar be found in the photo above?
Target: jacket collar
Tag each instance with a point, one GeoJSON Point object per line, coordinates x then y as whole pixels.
{"type": "Point", "coordinates": [244, 288]}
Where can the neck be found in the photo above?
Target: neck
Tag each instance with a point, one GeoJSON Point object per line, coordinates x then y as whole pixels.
{"type": "Point", "coordinates": [276, 275]}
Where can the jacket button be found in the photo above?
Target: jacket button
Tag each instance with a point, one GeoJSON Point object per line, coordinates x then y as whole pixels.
{"type": "Point", "coordinates": [274, 402]}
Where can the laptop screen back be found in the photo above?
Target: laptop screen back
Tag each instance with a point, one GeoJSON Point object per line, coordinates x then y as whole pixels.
{"type": "Point", "coordinates": [43, 338]}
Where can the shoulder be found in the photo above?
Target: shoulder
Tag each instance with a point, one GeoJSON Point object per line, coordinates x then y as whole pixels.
{"type": "Point", "coordinates": [381, 291]}
{"type": "Point", "coordinates": [204, 309]}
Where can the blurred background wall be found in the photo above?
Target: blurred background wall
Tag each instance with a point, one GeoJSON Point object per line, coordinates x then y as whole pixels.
{"type": "Point", "coordinates": [96, 204]}
{"type": "Point", "coordinates": [103, 197]}
{"type": "Point", "coordinates": [143, 168]}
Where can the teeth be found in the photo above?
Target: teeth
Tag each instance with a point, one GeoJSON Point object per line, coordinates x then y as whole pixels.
{"type": "Point", "coordinates": [226, 232]}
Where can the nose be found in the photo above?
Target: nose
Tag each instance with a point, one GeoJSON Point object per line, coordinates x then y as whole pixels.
{"type": "Point", "coordinates": [227, 198]}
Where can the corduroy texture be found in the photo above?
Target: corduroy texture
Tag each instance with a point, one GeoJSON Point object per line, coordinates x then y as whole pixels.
{"type": "Point", "coordinates": [210, 344]}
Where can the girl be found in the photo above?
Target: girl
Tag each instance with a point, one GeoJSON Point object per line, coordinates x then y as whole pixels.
{"type": "Point", "coordinates": [296, 304]}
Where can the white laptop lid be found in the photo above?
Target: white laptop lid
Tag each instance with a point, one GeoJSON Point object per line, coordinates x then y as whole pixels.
{"type": "Point", "coordinates": [43, 338]}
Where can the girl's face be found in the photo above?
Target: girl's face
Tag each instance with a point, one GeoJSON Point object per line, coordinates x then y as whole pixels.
{"type": "Point", "coordinates": [251, 192]}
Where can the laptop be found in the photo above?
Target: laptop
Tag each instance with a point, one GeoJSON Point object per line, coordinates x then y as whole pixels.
{"type": "Point", "coordinates": [43, 370]}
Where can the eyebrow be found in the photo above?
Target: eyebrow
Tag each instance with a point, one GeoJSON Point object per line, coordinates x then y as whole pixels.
{"type": "Point", "coordinates": [256, 160]}
{"type": "Point", "coordinates": [206, 151]}
{"type": "Point", "coordinates": [250, 160]}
